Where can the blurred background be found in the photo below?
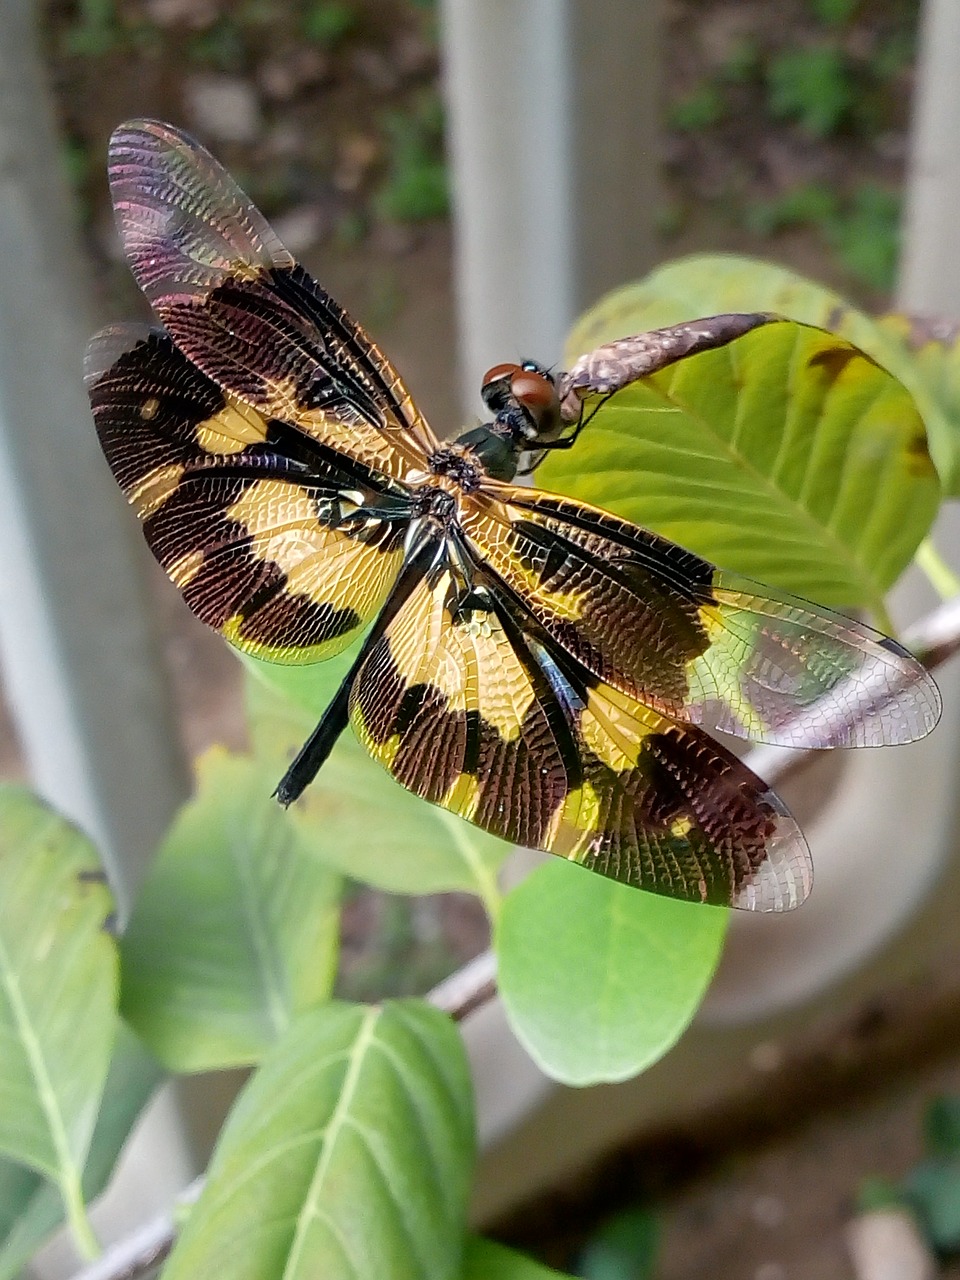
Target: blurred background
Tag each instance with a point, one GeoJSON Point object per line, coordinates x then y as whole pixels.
{"type": "Point", "coordinates": [465, 178]}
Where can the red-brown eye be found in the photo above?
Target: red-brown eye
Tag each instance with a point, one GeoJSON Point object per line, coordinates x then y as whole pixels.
{"type": "Point", "coordinates": [499, 373]}
{"type": "Point", "coordinates": [533, 390]}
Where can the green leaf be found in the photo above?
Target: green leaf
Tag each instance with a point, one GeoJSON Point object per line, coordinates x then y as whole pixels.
{"type": "Point", "coordinates": [58, 991]}
{"type": "Point", "coordinates": [929, 350]}
{"type": "Point", "coordinates": [787, 455]}
{"type": "Point", "coordinates": [708, 284]}
{"type": "Point", "coordinates": [598, 979]}
{"type": "Point", "coordinates": [813, 86]}
{"type": "Point", "coordinates": [933, 1189]}
{"type": "Point", "coordinates": [624, 1248]}
{"type": "Point", "coordinates": [866, 236]}
{"type": "Point", "coordinates": [326, 22]}
{"type": "Point", "coordinates": [941, 1126]}
{"type": "Point", "coordinates": [361, 820]}
{"type": "Point", "coordinates": [235, 931]}
{"type": "Point", "coordinates": [30, 1210]}
{"type": "Point", "coordinates": [485, 1260]}
{"type": "Point", "coordinates": [18, 1187]}
{"type": "Point", "coordinates": [876, 1194]}
{"type": "Point", "coordinates": [348, 1154]}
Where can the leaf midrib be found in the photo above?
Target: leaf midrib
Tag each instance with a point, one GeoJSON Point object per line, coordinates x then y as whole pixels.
{"type": "Point", "coordinates": [334, 1128]}
{"type": "Point", "coordinates": [824, 533]}
{"type": "Point", "coordinates": [68, 1173]}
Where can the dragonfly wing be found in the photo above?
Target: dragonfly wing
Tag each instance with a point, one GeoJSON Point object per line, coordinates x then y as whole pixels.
{"type": "Point", "coordinates": [667, 628]}
{"type": "Point", "coordinates": [254, 537]}
{"type": "Point", "coordinates": [472, 711]}
{"type": "Point", "coordinates": [238, 305]}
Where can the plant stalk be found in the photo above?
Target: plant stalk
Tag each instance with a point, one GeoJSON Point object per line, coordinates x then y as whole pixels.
{"type": "Point", "coordinates": [938, 573]}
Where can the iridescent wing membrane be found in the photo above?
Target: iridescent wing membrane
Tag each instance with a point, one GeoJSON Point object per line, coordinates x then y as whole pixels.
{"type": "Point", "coordinates": [535, 665]}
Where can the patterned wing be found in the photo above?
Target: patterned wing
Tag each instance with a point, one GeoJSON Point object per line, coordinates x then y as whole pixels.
{"type": "Point", "coordinates": [472, 711]}
{"type": "Point", "coordinates": [238, 305]}
{"type": "Point", "coordinates": [670, 630]}
{"type": "Point", "coordinates": [268, 542]}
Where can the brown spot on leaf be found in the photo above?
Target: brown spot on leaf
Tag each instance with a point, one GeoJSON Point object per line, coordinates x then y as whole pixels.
{"type": "Point", "coordinates": [832, 362]}
{"type": "Point", "coordinates": [917, 452]}
{"type": "Point", "coordinates": [92, 875]}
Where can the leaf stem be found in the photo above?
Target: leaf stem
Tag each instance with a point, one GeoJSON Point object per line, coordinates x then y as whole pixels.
{"type": "Point", "coordinates": [486, 879]}
{"type": "Point", "coordinates": [88, 1246]}
{"type": "Point", "coordinates": [882, 619]}
{"type": "Point", "coordinates": [936, 570]}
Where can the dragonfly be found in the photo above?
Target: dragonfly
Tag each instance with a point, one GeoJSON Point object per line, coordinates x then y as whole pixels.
{"type": "Point", "coordinates": [544, 669]}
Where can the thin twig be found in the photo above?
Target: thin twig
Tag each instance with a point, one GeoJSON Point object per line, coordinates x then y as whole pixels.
{"type": "Point", "coordinates": [933, 640]}
{"type": "Point", "coordinates": [140, 1253]}
{"type": "Point", "coordinates": [468, 988]}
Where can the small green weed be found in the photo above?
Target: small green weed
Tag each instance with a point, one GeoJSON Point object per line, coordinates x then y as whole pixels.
{"type": "Point", "coordinates": [862, 229]}
{"type": "Point", "coordinates": [222, 46]}
{"type": "Point", "coordinates": [623, 1248]}
{"type": "Point", "coordinates": [893, 55]}
{"type": "Point", "coordinates": [326, 22]}
{"type": "Point", "coordinates": [814, 86]}
{"type": "Point", "coordinates": [834, 13]}
{"type": "Point", "coordinates": [810, 203]}
{"type": "Point", "coordinates": [416, 185]}
{"type": "Point", "coordinates": [932, 1187]}
{"type": "Point", "coordinates": [744, 62]}
{"type": "Point", "coordinates": [95, 32]}
{"type": "Point", "coordinates": [700, 109]}
{"type": "Point", "coordinates": [866, 236]}
{"type": "Point", "coordinates": [351, 230]}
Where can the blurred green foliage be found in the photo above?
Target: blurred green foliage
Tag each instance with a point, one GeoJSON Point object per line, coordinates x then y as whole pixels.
{"type": "Point", "coordinates": [814, 87]}
{"type": "Point", "coordinates": [416, 186]}
{"type": "Point", "coordinates": [326, 22]}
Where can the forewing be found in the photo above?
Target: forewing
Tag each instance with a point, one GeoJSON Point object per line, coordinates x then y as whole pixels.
{"type": "Point", "coordinates": [470, 711]}
{"type": "Point", "coordinates": [238, 305]}
{"type": "Point", "coordinates": [255, 538]}
{"type": "Point", "coordinates": [668, 629]}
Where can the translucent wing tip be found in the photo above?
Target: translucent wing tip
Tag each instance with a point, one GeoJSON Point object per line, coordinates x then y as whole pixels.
{"type": "Point", "coordinates": [184, 223]}
{"type": "Point", "coordinates": [922, 708]}
{"type": "Point", "coordinates": [142, 130]}
{"type": "Point", "coordinates": [108, 345]}
{"type": "Point", "coordinates": [138, 147]}
{"type": "Point", "coordinates": [783, 881]}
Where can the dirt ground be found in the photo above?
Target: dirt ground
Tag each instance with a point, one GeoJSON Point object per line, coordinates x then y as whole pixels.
{"type": "Point", "coordinates": [316, 149]}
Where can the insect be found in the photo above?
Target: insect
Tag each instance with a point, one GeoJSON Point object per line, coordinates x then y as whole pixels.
{"type": "Point", "coordinates": [542, 668]}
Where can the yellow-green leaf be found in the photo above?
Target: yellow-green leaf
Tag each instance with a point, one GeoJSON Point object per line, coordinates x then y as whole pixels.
{"type": "Point", "coordinates": [597, 979]}
{"type": "Point", "coordinates": [787, 455]}
{"type": "Point", "coordinates": [706, 284]}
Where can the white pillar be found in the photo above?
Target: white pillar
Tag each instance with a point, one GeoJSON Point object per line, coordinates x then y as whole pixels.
{"type": "Point", "coordinates": [553, 122]}
{"type": "Point", "coordinates": [79, 656]}
{"type": "Point", "coordinates": [930, 261]}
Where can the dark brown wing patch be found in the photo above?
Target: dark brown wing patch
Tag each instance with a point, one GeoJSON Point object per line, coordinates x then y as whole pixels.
{"type": "Point", "coordinates": [241, 309]}
{"type": "Point", "coordinates": [472, 712]}
{"type": "Point", "coordinates": [260, 544]}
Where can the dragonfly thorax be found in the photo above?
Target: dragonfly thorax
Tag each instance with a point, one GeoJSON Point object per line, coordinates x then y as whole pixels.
{"type": "Point", "coordinates": [460, 463]}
